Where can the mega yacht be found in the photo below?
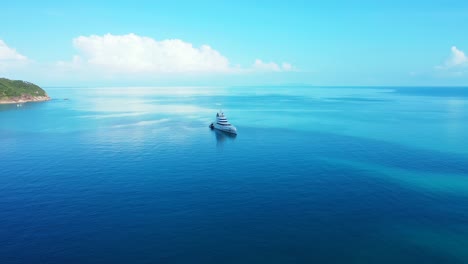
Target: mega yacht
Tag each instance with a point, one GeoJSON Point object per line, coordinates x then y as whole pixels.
{"type": "Point", "coordinates": [223, 124]}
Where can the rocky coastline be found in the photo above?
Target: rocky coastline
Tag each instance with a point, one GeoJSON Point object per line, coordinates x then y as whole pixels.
{"type": "Point", "coordinates": [24, 99]}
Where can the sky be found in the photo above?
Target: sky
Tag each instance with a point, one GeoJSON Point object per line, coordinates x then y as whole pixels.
{"type": "Point", "coordinates": [371, 43]}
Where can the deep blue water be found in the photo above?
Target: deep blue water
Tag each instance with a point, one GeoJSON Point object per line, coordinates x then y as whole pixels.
{"type": "Point", "coordinates": [315, 175]}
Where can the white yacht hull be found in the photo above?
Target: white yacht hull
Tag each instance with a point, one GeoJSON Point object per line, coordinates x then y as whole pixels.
{"type": "Point", "coordinates": [229, 129]}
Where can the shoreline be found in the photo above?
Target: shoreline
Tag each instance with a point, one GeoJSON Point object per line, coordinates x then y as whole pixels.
{"type": "Point", "coordinates": [21, 100]}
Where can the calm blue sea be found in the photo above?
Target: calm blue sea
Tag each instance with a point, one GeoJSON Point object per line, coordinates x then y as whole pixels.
{"type": "Point", "coordinates": [315, 175]}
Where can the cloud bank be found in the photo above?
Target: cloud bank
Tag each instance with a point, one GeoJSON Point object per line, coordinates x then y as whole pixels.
{"type": "Point", "coordinates": [133, 54]}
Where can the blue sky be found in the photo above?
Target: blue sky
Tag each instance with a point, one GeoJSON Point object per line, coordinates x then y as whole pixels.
{"type": "Point", "coordinates": [250, 42]}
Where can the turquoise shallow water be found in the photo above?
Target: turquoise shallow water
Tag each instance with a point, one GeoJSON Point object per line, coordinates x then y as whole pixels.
{"type": "Point", "coordinates": [335, 174]}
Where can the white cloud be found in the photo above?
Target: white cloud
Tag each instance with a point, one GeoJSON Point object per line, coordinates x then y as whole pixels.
{"type": "Point", "coordinates": [132, 54]}
{"type": "Point", "coordinates": [259, 65]}
{"type": "Point", "coordinates": [265, 66]}
{"type": "Point", "coordinates": [9, 57]}
{"type": "Point", "coordinates": [287, 66]}
{"type": "Point", "coordinates": [457, 58]}
{"type": "Point", "coordinates": [456, 65]}
{"type": "Point", "coordinates": [9, 54]}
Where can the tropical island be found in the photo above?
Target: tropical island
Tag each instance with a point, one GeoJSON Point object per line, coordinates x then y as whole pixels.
{"type": "Point", "coordinates": [16, 91]}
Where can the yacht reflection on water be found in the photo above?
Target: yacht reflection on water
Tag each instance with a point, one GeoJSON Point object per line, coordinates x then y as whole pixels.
{"type": "Point", "coordinates": [223, 137]}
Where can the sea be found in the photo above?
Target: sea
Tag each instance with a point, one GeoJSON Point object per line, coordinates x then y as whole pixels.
{"type": "Point", "coordinates": [315, 175]}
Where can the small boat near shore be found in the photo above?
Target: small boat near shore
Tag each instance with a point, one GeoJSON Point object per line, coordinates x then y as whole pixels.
{"type": "Point", "coordinates": [223, 124]}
